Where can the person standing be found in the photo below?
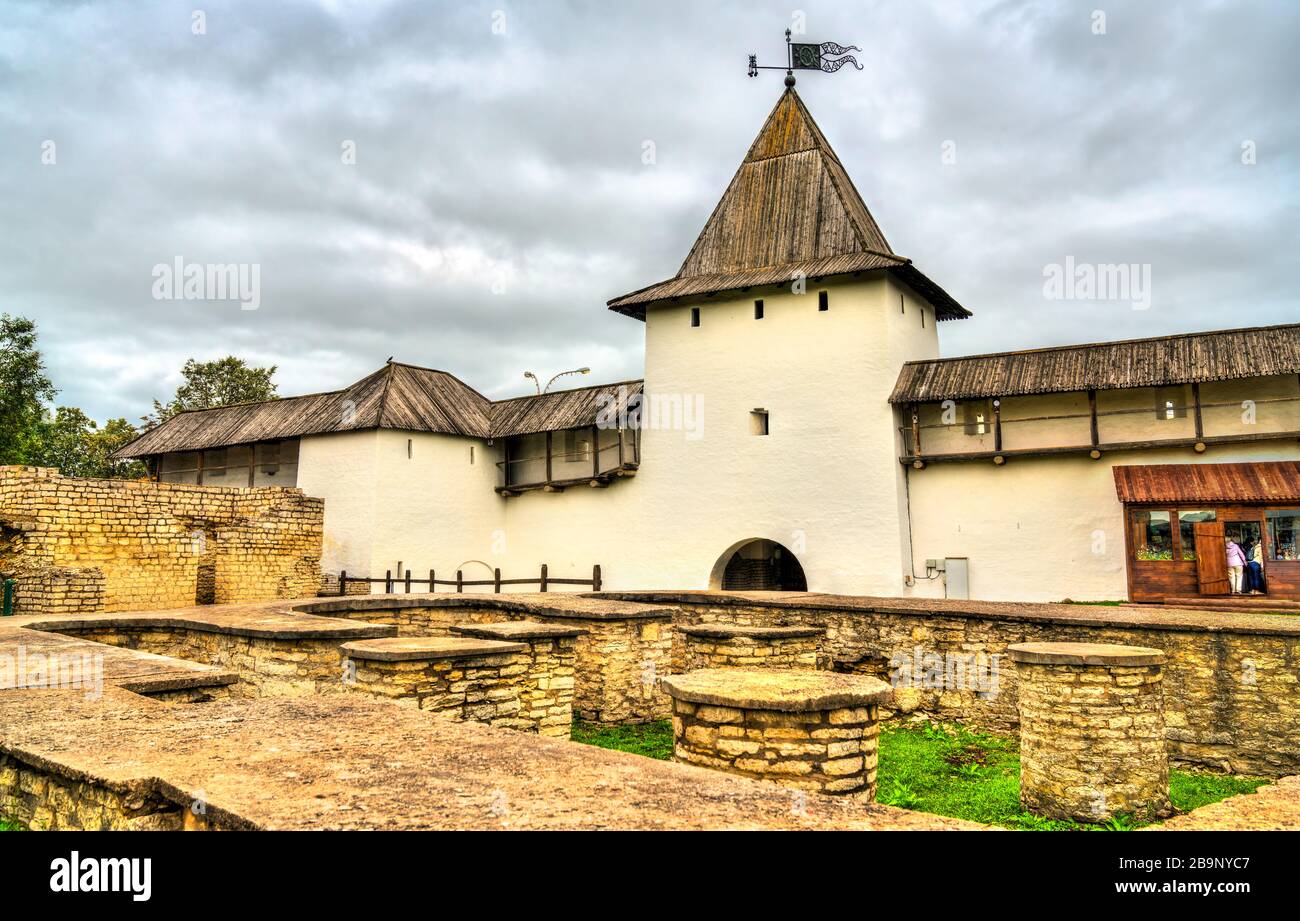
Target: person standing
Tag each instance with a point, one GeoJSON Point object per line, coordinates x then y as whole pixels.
{"type": "Point", "coordinates": [1236, 564]}
{"type": "Point", "coordinates": [1255, 583]}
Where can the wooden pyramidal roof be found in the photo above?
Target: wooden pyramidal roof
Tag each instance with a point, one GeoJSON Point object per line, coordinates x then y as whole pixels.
{"type": "Point", "coordinates": [790, 210]}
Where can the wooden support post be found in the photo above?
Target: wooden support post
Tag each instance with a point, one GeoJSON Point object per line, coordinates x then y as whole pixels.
{"type": "Point", "coordinates": [199, 477]}
{"type": "Point", "coordinates": [460, 581]}
{"type": "Point", "coordinates": [548, 457]}
{"type": "Point", "coordinates": [595, 451]}
{"type": "Point", "coordinates": [343, 582]}
{"type": "Point", "coordinates": [388, 582]}
{"type": "Point", "coordinates": [997, 425]}
{"type": "Point", "coordinates": [543, 577]}
{"type": "Point", "coordinates": [621, 459]}
{"type": "Point", "coordinates": [595, 578]}
{"type": "Point", "coordinates": [505, 462]}
{"type": "Point", "coordinates": [916, 431]}
{"type": "Point", "coordinates": [1196, 405]}
{"type": "Point", "coordinates": [1092, 417]}
{"type": "Point", "coordinates": [496, 574]}
{"type": "Point", "coordinates": [433, 586]}
{"type": "Point", "coordinates": [408, 582]}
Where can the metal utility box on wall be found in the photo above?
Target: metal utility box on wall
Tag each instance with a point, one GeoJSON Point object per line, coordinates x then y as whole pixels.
{"type": "Point", "coordinates": [956, 579]}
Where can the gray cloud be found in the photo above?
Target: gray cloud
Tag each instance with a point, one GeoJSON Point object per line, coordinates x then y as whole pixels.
{"type": "Point", "coordinates": [514, 161]}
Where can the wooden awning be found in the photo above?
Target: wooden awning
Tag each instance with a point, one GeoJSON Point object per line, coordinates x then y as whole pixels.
{"type": "Point", "coordinates": [1247, 482]}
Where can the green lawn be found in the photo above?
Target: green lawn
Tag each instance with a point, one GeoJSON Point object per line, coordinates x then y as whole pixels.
{"type": "Point", "coordinates": [10, 825]}
{"type": "Point", "coordinates": [946, 770]}
{"type": "Point", "coordinates": [654, 740]}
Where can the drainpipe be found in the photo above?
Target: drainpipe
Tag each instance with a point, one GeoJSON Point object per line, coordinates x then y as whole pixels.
{"type": "Point", "coordinates": [9, 586]}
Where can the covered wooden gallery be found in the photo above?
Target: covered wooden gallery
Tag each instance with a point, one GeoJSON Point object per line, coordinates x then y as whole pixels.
{"type": "Point", "coordinates": [1178, 517]}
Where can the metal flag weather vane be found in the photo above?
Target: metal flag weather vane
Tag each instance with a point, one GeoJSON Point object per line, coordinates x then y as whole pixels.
{"type": "Point", "coordinates": [827, 57]}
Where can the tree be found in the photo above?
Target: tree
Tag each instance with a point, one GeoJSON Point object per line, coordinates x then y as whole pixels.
{"type": "Point", "coordinates": [71, 441]}
{"type": "Point", "coordinates": [222, 382]}
{"type": "Point", "coordinates": [24, 389]}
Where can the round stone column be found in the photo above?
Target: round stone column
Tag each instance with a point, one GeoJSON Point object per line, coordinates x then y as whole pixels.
{"type": "Point", "coordinates": [1092, 731]}
{"type": "Point", "coordinates": [808, 729]}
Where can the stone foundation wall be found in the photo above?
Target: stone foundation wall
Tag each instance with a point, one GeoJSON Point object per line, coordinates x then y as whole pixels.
{"type": "Point", "coordinates": [43, 801]}
{"type": "Point", "coordinates": [712, 650]}
{"type": "Point", "coordinates": [619, 661]}
{"type": "Point", "coordinates": [481, 688]}
{"type": "Point", "coordinates": [1092, 740]}
{"type": "Point", "coordinates": [78, 546]}
{"type": "Point", "coordinates": [1232, 697]}
{"type": "Point", "coordinates": [266, 667]}
{"type": "Point", "coordinates": [832, 751]}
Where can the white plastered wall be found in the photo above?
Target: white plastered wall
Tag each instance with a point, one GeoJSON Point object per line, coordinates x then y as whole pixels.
{"type": "Point", "coordinates": [1040, 528]}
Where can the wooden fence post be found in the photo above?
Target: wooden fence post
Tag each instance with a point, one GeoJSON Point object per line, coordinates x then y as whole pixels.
{"type": "Point", "coordinates": [595, 578]}
{"type": "Point", "coordinates": [496, 574]}
{"type": "Point", "coordinates": [343, 582]}
{"type": "Point", "coordinates": [432, 584]}
{"type": "Point", "coordinates": [408, 582]}
{"type": "Point", "coordinates": [460, 581]}
{"type": "Point", "coordinates": [388, 582]}
{"type": "Point", "coordinates": [543, 577]}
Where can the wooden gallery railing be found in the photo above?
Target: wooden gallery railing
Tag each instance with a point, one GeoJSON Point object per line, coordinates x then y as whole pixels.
{"type": "Point", "coordinates": [627, 459]}
{"type": "Point", "coordinates": [544, 580]}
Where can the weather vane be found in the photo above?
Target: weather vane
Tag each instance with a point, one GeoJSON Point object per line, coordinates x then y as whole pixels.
{"type": "Point", "coordinates": [827, 57]}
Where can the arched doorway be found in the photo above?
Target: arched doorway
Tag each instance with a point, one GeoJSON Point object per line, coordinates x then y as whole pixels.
{"type": "Point", "coordinates": [758, 565]}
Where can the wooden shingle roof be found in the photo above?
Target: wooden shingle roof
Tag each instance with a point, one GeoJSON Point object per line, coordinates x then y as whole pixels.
{"type": "Point", "coordinates": [398, 396]}
{"type": "Point", "coordinates": [1246, 481]}
{"type": "Point", "coordinates": [1230, 354]}
{"type": "Point", "coordinates": [790, 210]}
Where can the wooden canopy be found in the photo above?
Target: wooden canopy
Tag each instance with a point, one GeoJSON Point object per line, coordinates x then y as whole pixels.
{"type": "Point", "coordinates": [1161, 361]}
{"type": "Point", "coordinates": [1248, 483]}
{"type": "Point", "coordinates": [790, 210]}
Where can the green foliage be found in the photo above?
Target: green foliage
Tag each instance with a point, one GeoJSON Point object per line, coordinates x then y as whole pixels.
{"type": "Point", "coordinates": [24, 389]}
{"type": "Point", "coordinates": [11, 825]}
{"type": "Point", "coordinates": [74, 443]}
{"type": "Point", "coordinates": [654, 740]}
{"type": "Point", "coordinates": [222, 382]}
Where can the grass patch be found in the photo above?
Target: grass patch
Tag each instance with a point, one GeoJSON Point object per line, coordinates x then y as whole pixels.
{"type": "Point", "coordinates": [946, 770]}
{"type": "Point", "coordinates": [11, 825]}
{"type": "Point", "coordinates": [952, 771]}
{"type": "Point", "coordinates": [654, 740]}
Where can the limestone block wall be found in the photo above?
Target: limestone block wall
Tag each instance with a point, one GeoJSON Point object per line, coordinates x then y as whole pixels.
{"type": "Point", "coordinates": [1092, 731]}
{"type": "Point", "coordinates": [478, 684]}
{"type": "Point", "coordinates": [735, 646]}
{"type": "Point", "coordinates": [45, 801]}
{"type": "Point", "coordinates": [77, 546]}
{"type": "Point", "coordinates": [267, 667]}
{"type": "Point", "coordinates": [619, 660]}
{"type": "Point", "coordinates": [1232, 693]}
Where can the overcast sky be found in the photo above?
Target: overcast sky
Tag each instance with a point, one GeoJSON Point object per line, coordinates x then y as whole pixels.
{"type": "Point", "coordinates": [499, 195]}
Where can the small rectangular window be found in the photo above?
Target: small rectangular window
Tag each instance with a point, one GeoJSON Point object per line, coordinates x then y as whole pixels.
{"type": "Point", "coordinates": [758, 422]}
{"type": "Point", "coordinates": [471, 455]}
{"type": "Point", "coordinates": [1171, 403]}
{"type": "Point", "coordinates": [1154, 535]}
{"type": "Point", "coordinates": [695, 316]}
{"type": "Point", "coordinates": [975, 416]}
{"type": "Point", "coordinates": [823, 300]}
{"type": "Point", "coordinates": [758, 310]}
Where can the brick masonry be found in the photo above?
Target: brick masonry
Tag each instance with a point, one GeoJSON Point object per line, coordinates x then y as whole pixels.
{"type": "Point", "coordinates": [78, 546]}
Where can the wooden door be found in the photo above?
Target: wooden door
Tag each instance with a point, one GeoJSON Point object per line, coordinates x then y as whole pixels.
{"type": "Point", "coordinates": [1211, 558]}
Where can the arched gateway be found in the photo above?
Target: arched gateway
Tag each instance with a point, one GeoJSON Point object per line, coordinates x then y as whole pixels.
{"type": "Point", "coordinates": [758, 565]}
